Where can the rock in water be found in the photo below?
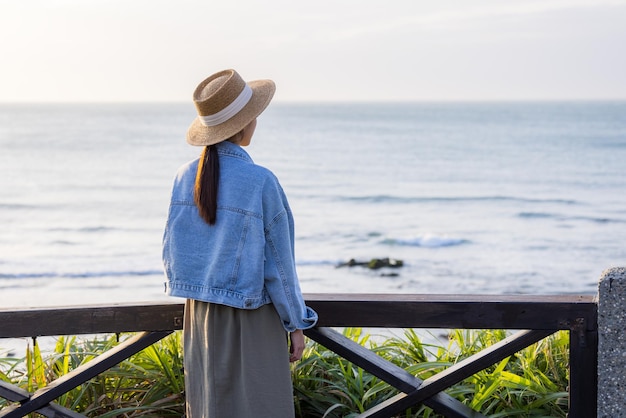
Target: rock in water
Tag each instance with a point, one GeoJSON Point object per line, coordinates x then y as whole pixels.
{"type": "Point", "coordinates": [374, 263]}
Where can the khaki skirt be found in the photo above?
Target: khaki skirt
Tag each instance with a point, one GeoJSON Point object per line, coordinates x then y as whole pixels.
{"type": "Point", "coordinates": [236, 362]}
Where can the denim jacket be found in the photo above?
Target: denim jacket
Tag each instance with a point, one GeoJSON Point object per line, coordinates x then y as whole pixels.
{"type": "Point", "coordinates": [246, 259]}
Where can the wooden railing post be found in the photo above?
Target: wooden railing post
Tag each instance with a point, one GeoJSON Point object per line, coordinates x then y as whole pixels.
{"type": "Point", "coordinates": [583, 377]}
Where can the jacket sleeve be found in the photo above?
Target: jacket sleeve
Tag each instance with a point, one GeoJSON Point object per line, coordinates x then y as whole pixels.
{"type": "Point", "coordinates": [281, 279]}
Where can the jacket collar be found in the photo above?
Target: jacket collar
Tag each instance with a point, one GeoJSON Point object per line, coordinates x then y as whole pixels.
{"type": "Point", "coordinates": [233, 150]}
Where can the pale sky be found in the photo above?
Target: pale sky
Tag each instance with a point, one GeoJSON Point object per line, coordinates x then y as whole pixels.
{"type": "Point", "coordinates": [323, 50]}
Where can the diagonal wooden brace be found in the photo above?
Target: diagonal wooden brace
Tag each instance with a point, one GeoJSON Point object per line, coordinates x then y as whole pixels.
{"type": "Point", "coordinates": [12, 393]}
{"type": "Point", "coordinates": [389, 372]}
{"type": "Point", "coordinates": [42, 398]}
{"type": "Point", "coordinates": [457, 373]}
{"type": "Point", "coordinates": [16, 394]}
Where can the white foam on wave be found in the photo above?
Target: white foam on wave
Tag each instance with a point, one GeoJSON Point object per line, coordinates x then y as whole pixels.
{"type": "Point", "coordinates": [426, 240]}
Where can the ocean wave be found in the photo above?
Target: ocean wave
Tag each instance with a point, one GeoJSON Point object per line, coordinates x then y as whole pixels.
{"type": "Point", "coordinates": [427, 241]}
{"type": "Point", "coordinates": [87, 229]}
{"type": "Point", "coordinates": [63, 242]}
{"type": "Point", "coordinates": [545, 215]}
{"type": "Point", "coordinates": [16, 206]}
{"type": "Point", "coordinates": [315, 262]}
{"type": "Point", "coordinates": [453, 199]}
{"type": "Point", "coordinates": [79, 275]}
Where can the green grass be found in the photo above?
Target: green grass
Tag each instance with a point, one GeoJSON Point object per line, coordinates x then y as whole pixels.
{"type": "Point", "coordinates": [531, 383]}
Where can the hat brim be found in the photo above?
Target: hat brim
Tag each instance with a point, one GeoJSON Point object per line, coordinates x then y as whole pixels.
{"type": "Point", "coordinates": [262, 93]}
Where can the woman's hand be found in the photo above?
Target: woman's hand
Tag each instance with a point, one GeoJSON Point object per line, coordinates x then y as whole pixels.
{"type": "Point", "coordinates": [296, 348]}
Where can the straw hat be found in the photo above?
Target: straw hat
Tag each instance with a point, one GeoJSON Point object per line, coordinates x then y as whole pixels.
{"type": "Point", "coordinates": [226, 104]}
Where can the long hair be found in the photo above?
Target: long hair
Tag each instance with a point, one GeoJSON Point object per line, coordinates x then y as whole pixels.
{"type": "Point", "coordinates": [207, 180]}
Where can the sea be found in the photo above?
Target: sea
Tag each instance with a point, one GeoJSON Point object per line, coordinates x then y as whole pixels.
{"type": "Point", "coordinates": [462, 198]}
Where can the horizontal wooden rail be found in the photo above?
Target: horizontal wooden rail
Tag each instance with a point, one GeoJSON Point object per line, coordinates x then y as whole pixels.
{"type": "Point", "coordinates": [335, 310]}
{"type": "Point", "coordinates": [92, 319]}
{"type": "Point", "coordinates": [452, 311]}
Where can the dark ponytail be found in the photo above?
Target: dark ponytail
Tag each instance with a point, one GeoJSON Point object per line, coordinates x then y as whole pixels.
{"type": "Point", "coordinates": [207, 179]}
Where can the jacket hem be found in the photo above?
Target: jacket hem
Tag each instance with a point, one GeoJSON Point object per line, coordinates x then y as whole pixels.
{"type": "Point", "coordinates": [215, 295]}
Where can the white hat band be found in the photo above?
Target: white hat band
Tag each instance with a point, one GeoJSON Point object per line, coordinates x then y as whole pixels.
{"type": "Point", "coordinates": [230, 110]}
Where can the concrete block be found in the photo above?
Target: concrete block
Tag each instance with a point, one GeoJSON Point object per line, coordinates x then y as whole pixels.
{"type": "Point", "coordinates": [612, 343]}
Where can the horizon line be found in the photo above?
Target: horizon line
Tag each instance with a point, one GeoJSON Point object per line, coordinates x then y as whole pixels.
{"type": "Point", "coordinates": [330, 101]}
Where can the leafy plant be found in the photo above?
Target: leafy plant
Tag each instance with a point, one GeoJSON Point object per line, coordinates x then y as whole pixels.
{"type": "Point", "coordinates": [149, 383]}
{"type": "Point", "coordinates": [533, 382]}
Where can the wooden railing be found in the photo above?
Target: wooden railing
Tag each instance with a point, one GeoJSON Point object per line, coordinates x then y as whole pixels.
{"type": "Point", "coordinates": [536, 316]}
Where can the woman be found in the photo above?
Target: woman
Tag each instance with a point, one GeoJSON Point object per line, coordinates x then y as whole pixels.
{"type": "Point", "coordinates": [228, 248]}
